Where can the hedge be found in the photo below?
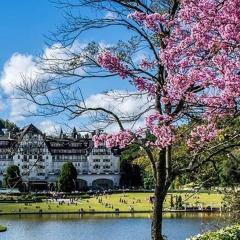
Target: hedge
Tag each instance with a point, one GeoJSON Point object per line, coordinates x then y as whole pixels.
{"type": "Point", "coordinates": [228, 233]}
{"type": "Point", "coordinates": [2, 228]}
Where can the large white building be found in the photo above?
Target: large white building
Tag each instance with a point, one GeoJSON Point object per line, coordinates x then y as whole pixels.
{"type": "Point", "coordinates": [40, 159]}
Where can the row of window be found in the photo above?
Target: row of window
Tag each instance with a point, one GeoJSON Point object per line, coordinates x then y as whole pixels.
{"type": "Point", "coordinates": [80, 145]}
{"type": "Point", "coordinates": [41, 174]}
{"type": "Point", "coordinates": [27, 174]}
{"type": "Point", "coordinates": [101, 153]}
{"type": "Point", "coordinates": [69, 151]}
{"type": "Point", "coordinates": [38, 166]}
{"type": "Point", "coordinates": [32, 152]}
{"type": "Point", "coordinates": [104, 167]}
{"type": "Point", "coordinates": [26, 157]}
{"type": "Point", "coordinates": [69, 158]}
{"type": "Point", "coordinates": [2, 157]}
{"type": "Point", "coordinates": [99, 160]}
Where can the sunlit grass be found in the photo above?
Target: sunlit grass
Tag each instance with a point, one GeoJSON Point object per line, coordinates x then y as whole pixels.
{"type": "Point", "coordinates": [108, 203]}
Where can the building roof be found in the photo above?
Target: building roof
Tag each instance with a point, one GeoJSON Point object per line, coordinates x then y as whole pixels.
{"type": "Point", "coordinates": [30, 129]}
{"type": "Point", "coordinates": [74, 143]}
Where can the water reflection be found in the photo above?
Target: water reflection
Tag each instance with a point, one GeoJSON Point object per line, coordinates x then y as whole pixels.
{"type": "Point", "coordinates": [66, 216]}
{"type": "Point", "coordinates": [177, 226]}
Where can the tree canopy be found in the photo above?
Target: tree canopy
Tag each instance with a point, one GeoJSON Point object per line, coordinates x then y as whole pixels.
{"type": "Point", "coordinates": [8, 125]}
{"type": "Point", "coordinates": [67, 181]}
{"type": "Point", "coordinates": [12, 179]}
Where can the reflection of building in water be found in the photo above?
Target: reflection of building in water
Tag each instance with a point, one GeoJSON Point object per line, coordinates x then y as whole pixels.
{"type": "Point", "coordinates": [40, 158]}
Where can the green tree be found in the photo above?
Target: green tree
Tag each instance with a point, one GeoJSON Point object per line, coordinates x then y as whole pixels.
{"type": "Point", "coordinates": [148, 180]}
{"type": "Point", "coordinates": [230, 172]}
{"type": "Point", "coordinates": [12, 178]}
{"type": "Point", "coordinates": [131, 171]}
{"type": "Point", "coordinates": [68, 178]}
{"type": "Point", "coordinates": [131, 175]}
{"type": "Point", "coordinates": [232, 204]}
{"type": "Point", "coordinates": [8, 125]}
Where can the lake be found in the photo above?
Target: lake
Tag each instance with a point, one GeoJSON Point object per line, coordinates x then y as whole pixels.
{"type": "Point", "coordinates": [102, 227]}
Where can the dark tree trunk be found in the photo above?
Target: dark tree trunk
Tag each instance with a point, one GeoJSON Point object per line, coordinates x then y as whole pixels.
{"type": "Point", "coordinates": [156, 229]}
{"type": "Point", "coordinates": [162, 184]}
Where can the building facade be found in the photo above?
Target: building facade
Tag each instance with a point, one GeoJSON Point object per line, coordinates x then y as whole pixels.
{"type": "Point", "coordinates": [40, 159]}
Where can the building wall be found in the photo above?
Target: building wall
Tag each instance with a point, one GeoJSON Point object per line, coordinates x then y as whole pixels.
{"type": "Point", "coordinates": [37, 162]}
{"type": "Point", "coordinates": [33, 158]}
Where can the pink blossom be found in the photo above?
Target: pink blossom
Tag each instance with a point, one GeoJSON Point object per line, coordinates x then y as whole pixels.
{"type": "Point", "coordinates": [164, 136]}
{"type": "Point", "coordinates": [203, 51]}
{"type": "Point", "coordinates": [147, 64]}
{"type": "Point", "coordinates": [154, 21]}
{"type": "Point", "coordinates": [163, 131]}
{"type": "Point", "coordinates": [200, 58]}
{"type": "Point", "coordinates": [201, 135]}
{"type": "Point", "coordinates": [144, 85]}
{"type": "Point", "coordinates": [121, 139]}
{"type": "Point", "coordinates": [156, 118]}
{"type": "Point", "coordinates": [99, 139]}
{"type": "Point", "coordinates": [112, 64]}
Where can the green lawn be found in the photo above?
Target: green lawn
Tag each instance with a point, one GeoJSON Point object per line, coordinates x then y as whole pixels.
{"type": "Point", "coordinates": [139, 201]}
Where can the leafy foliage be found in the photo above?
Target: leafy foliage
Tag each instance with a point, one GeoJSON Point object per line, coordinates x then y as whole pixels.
{"type": "Point", "coordinates": [228, 233]}
{"type": "Point", "coordinates": [131, 172]}
{"type": "Point", "coordinates": [232, 203]}
{"type": "Point", "coordinates": [12, 178]}
{"type": "Point", "coordinates": [68, 178]}
{"type": "Point", "coordinates": [8, 125]}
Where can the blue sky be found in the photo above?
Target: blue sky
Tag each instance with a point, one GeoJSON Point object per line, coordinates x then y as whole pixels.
{"type": "Point", "coordinates": [23, 24]}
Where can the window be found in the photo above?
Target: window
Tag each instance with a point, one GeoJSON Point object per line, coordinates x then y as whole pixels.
{"type": "Point", "coordinates": [106, 160]}
{"type": "Point", "coordinates": [96, 167]}
{"type": "Point", "coordinates": [96, 160]}
{"type": "Point", "coordinates": [106, 167]}
{"type": "Point", "coordinates": [41, 174]}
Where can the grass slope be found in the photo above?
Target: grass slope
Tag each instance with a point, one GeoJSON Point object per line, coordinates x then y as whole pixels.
{"type": "Point", "coordinates": [139, 201]}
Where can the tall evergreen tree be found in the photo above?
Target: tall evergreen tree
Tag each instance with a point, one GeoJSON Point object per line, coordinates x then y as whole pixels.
{"type": "Point", "coordinates": [12, 178]}
{"type": "Point", "coordinates": [68, 178]}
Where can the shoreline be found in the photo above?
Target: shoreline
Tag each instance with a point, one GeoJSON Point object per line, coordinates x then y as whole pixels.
{"type": "Point", "coordinates": [108, 212]}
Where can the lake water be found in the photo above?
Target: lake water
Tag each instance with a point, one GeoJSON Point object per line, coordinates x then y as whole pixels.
{"type": "Point", "coordinates": [102, 227]}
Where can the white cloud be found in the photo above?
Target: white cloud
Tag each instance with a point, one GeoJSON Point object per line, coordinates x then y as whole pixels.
{"type": "Point", "coordinates": [110, 15]}
{"type": "Point", "coordinates": [23, 67]}
{"type": "Point", "coordinates": [49, 127]}
{"type": "Point", "coordinates": [124, 104]}
{"type": "Point", "coordinates": [119, 101]}
{"type": "Point", "coordinates": [2, 106]}
{"type": "Point", "coordinates": [18, 66]}
{"type": "Point", "coordinates": [19, 108]}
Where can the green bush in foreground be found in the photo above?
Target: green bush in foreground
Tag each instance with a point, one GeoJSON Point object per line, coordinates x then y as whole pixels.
{"type": "Point", "coordinates": [2, 228]}
{"type": "Point", "coordinates": [228, 233]}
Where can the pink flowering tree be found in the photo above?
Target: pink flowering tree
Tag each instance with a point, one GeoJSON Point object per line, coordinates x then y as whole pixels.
{"type": "Point", "coordinates": [190, 75]}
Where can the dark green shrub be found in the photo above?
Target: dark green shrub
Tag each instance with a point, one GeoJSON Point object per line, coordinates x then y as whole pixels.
{"type": "Point", "coordinates": [228, 233]}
